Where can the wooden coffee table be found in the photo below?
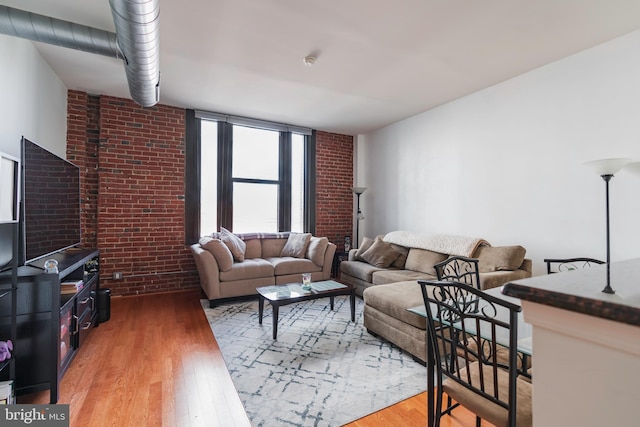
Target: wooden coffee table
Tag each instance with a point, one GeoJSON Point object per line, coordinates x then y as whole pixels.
{"type": "Point", "coordinates": [280, 295]}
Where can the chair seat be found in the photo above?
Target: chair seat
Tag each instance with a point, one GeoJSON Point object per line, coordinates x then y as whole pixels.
{"type": "Point", "coordinates": [485, 409]}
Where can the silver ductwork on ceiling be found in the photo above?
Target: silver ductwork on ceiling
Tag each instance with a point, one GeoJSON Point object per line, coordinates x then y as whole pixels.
{"type": "Point", "coordinates": [138, 35]}
{"type": "Point", "coordinates": [136, 40]}
{"type": "Point", "coordinates": [27, 25]}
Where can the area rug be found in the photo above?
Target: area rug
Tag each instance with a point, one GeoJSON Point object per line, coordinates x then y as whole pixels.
{"type": "Point", "coordinates": [323, 369]}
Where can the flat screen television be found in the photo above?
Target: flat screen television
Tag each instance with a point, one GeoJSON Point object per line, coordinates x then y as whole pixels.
{"type": "Point", "coordinates": [50, 203]}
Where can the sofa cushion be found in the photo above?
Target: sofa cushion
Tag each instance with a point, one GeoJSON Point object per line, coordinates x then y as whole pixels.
{"type": "Point", "coordinates": [381, 254]}
{"type": "Point", "coordinates": [364, 246]}
{"type": "Point", "coordinates": [248, 269]}
{"type": "Point", "coordinates": [254, 249]}
{"type": "Point", "coordinates": [395, 298]}
{"type": "Point", "coordinates": [499, 258]}
{"type": "Point", "coordinates": [423, 260]}
{"type": "Point", "coordinates": [234, 243]}
{"type": "Point", "coordinates": [220, 252]}
{"type": "Point", "coordinates": [296, 245]}
{"type": "Point", "coordinates": [392, 276]}
{"type": "Point", "coordinates": [272, 247]}
{"type": "Point", "coordinates": [289, 265]}
{"type": "Point", "coordinates": [316, 250]}
{"type": "Point", "coordinates": [359, 270]}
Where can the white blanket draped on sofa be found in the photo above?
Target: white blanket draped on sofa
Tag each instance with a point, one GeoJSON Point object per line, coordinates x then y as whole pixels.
{"type": "Point", "coordinates": [442, 243]}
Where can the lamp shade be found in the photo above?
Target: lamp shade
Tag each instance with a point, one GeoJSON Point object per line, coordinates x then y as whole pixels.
{"type": "Point", "coordinates": [359, 190]}
{"type": "Point", "coordinates": [607, 166]}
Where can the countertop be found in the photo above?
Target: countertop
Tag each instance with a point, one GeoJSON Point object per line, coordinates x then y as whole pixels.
{"type": "Point", "coordinates": [581, 291]}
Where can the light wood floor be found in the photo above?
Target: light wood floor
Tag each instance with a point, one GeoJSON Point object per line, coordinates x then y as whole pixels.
{"type": "Point", "coordinates": [156, 363]}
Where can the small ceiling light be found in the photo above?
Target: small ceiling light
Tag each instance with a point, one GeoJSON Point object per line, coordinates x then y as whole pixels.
{"type": "Point", "coordinates": [309, 61]}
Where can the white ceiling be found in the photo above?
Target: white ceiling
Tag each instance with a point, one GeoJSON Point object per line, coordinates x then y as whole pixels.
{"type": "Point", "coordinates": [379, 61]}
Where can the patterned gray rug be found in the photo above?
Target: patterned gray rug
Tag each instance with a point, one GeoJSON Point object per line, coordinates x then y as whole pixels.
{"type": "Point", "coordinates": [323, 370]}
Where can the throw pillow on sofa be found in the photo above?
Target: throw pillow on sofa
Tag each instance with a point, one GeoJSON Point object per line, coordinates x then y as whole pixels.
{"type": "Point", "coordinates": [296, 245]}
{"type": "Point", "coordinates": [402, 257]}
{"type": "Point", "coordinates": [381, 254]}
{"type": "Point", "coordinates": [317, 248]}
{"type": "Point", "coordinates": [234, 243]}
{"type": "Point", "coordinates": [423, 260]}
{"type": "Point", "coordinates": [220, 252]}
{"type": "Point", "coordinates": [364, 246]}
{"type": "Point", "coordinates": [499, 258]}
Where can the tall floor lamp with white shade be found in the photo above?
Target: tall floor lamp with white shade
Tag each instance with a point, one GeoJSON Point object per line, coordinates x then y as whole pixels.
{"type": "Point", "coordinates": [606, 168]}
{"type": "Point", "coordinates": [359, 216]}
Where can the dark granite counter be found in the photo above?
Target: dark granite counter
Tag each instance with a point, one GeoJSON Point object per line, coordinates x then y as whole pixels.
{"type": "Point", "coordinates": [581, 291]}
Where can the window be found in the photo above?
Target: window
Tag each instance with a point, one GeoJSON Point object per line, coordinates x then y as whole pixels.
{"type": "Point", "coordinates": [247, 176]}
{"type": "Point", "coordinates": [256, 179]}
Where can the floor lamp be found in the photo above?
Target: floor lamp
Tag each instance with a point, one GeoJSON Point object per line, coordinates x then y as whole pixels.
{"type": "Point", "coordinates": [359, 216]}
{"type": "Point", "coordinates": [606, 168]}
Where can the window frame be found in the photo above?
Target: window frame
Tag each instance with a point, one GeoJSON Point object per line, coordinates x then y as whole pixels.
{"type": "Point", "coordinates": [225, 179]}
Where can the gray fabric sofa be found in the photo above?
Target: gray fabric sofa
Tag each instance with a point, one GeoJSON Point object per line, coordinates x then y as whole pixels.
{"type": "Point", "coordinates": [267, 259]}
{"type": "Point", "coordinates": [389, 292]}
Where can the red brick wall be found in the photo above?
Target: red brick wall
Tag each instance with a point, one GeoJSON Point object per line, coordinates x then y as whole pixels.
{"type": "Point", "coordinates": [141, 198]}
{"type": "Point", "coordinates": [82, 150]}
{"type": "Point", "coordinates": [334, 179]}
{"type": "Point", "coordinates": [132, 162]}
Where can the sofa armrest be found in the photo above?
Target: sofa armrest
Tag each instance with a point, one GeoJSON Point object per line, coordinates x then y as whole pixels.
{"type": "Point", "coordinates": [498, 278]}
{"type": "Point", "coordinates": [328, 261]}
{"type": "Point", "coordinates": [208, 271]}
{"type": "Point", "coordinates": [527, 265]}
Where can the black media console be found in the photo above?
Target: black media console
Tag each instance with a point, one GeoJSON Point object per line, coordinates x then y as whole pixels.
{"type": "Point", "coordinates": [51, 325]}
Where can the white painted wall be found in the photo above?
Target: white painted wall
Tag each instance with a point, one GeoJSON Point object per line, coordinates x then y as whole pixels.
{"type": "Point", "coordinates": [33, 99]}
{"type": "Point", "coordinates": [505, 163]}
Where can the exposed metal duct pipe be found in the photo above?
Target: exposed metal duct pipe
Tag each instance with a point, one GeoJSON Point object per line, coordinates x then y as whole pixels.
{"type": "Point", "coordinates": [138, 35]}
{"type": "Point", "coordinates": [136, 40]}
{"type": "Point", "coordinates": [39, 28]}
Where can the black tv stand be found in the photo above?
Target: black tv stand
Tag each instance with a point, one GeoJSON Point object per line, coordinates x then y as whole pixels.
{"type": "Point", "coordinates": [52, 325]}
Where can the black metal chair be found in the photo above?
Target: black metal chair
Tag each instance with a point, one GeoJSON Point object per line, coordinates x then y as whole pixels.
{"type": "Point", "coordinates": [460, 269]}
{"type": "Point", "coordinates": [465, 270]}
{"type": "Point", "coordinates": [555, 265]}
{"type": "Point", "coordinates": [478, 380]}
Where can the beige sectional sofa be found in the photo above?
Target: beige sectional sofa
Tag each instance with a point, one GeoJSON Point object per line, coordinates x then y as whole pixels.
{"type": "Point", "coordinates": [402, 256]}
{"type": "Point", "coordinates": [234, 265]}
{"type": "Point", "coordinates": [388, 282]}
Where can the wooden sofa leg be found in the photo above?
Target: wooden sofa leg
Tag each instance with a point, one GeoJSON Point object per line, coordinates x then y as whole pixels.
{"type": "Point", "coordinates": [212, 303]}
